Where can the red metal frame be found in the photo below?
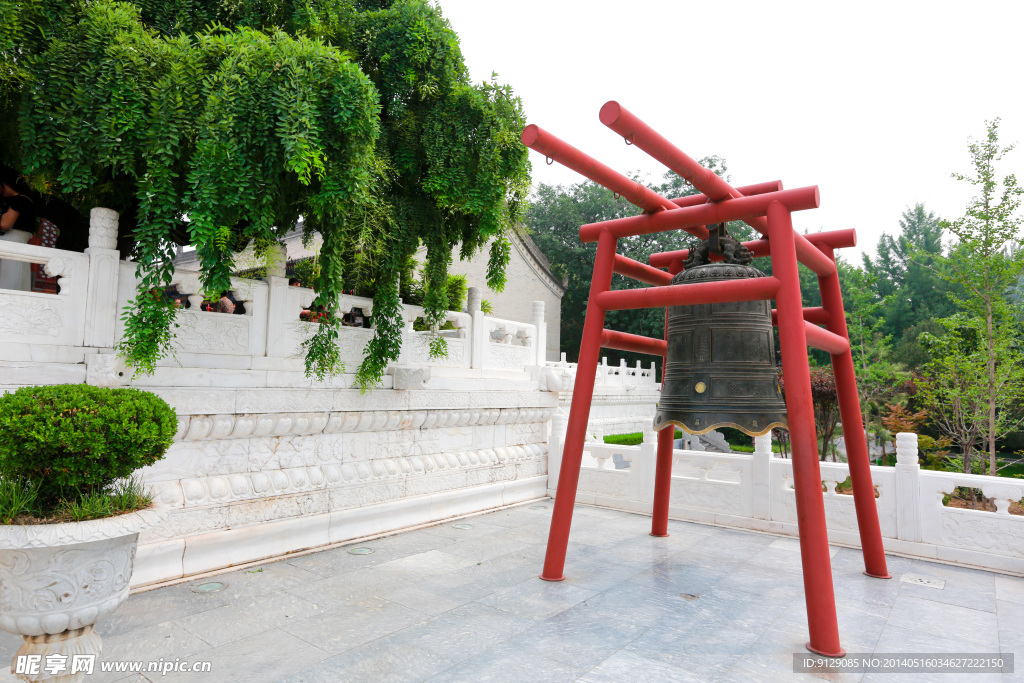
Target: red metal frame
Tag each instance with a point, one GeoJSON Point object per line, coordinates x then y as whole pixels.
{"type": "Point", "coordinates": [768, 208]}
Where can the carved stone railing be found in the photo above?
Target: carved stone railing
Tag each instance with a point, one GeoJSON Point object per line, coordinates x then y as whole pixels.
{"type": "Point", "coordinates": [84, 323]}
{"type": "Point", "coordinates": [33, 318]}
{"type": "Point", "coordinates": [755, 491]}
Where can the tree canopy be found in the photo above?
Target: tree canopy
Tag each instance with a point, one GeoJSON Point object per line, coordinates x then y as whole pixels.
{"type": "Point", "coordinates": [220, 124]}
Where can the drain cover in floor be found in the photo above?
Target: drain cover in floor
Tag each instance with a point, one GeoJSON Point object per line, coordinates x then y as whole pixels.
{"type": "Point", "coordinates": [209, 587]}
{"type": "Point", "coordinates": [926, 581]}
{"type": "Point", "coordinates": [360, 551]}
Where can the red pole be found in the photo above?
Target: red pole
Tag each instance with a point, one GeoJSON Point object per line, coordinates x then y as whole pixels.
{"type": "Point", "coordinates": [754, 289]}
{"type": "Point", "coordinates": [579, 413]}
{"type": "Point", "coordinates": [640, 271]}
{"type": "Point", "coordinates": [816, 315]}
{"type": "Point", "coordinates": [810, 507]}
{"type": "Point", "coordinates": [691, 217]}
{"type": "Point", "coordinates": [837, 239]}
{"type": "Point", "coordinates": [638, 133]}
{"type": "Point", "coordinates": [747, 190]}
{"type": "Point", "coordinates": [556, 149]}
{"type": "Point", "coordinates": [663, 465]}
{"type": "Point", "coordinates": [662, 481]}
{"type": "Point", "coordinates": [853, 430]}
{"type": "Point", "coordinates": [819, 338]}
{"type": "Point", "coordinates": [624, 341]}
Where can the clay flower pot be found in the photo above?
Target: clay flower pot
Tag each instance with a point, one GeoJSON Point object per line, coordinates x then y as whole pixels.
{"type": "Point", "coordinates": [58, 580]}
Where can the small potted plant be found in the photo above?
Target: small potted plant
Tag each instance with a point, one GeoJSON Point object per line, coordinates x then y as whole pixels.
{"type": "Point", "coordinates": [70, 512]}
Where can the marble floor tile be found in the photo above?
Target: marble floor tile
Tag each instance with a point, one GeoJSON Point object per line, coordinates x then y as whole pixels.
{"type": "Point", "coordinates": [979, 596]}
{"type": "Point", "coordinates": [265, 657]}
{"type": "Point", "coordinates": [537, 599]}
{"type": "Point", "coordinates": [380, 661]}
{"type": "Point", "coordinates": [352, 587]}
{"type": "Point", "coordinates": [354, 624]}
{"type": "Point", "coordinates": [167, 641]}
{"type": "Point", "coordinates": [624, 666]}
{"type": "Point", "coordinates": [463, 632]}
{"type": "Point", "coordinates": [1010, 588]}
{"type": "Point", "coordinates": [160, 605]}
{"type": "Point", "coordinates": [425, 564]}
{"type": "Point", "coordinates": [508, 664]}
{"type": "Point", "coordinates": [248, 616]}
{"type": "Point", "coordinates": [263, 579]}
{"type": "Point", "coordinates": [580, 637]}
{"type": "Point", "coordinates": [973, 628]}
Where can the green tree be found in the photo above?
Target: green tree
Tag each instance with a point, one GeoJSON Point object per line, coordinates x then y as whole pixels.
{"type": "Point", "coordinates": [220, 124]}
{"type": "Point", "coordinates": [906, 275]}
{"type": "Point", "coordinates": [984, 264]}
{"type": "Point", "coordinates": [878, 377]}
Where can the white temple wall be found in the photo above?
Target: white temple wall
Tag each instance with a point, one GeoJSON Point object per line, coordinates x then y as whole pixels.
{"type": "Point", "coordinates": [267, 462]}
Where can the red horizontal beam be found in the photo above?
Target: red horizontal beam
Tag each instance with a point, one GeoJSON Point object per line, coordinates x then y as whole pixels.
{"type": "Point", "coordinates": [837, 239]}
{"type": "Point", "coordinates": [820, 338]}
{"type": "Point", "coordinates": [746, 190]}
{"type": "Point", "coordinates": [556, 149]}
{"type": "Point", "coordinates": [811, 256]}
{"type": "Point", "coordinates": [799, 199]}
{"type": "Point", "coordinates": [640, 271]}
{"type": "Point", "coordinates": [623, 341]}
{"type": "Point", "coordinates": [638, 133]}
{"type": "Point", "coordinates": [724, 291]}
{"type": "Point", "coordinates": [816, 315]}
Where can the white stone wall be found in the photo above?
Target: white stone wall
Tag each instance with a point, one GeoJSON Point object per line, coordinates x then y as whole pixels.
{"type": "Point", "coordinates": [260, 474]}
{"type": "Point", "coordinates": [528, 280]}
{"type": "Point", "coordinates": [267, 462]}
{"type": "Point", "coordinates": [528, 273]}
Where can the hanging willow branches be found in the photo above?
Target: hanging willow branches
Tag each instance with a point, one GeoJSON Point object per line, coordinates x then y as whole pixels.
{"type": "Point", "coordinates": [219, 124]}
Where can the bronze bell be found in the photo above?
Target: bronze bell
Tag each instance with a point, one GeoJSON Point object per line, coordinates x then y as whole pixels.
{"type": "Point", "coordinates": [720, 367]}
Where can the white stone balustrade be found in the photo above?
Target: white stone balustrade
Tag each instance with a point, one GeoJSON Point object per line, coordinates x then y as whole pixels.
{"type": "Point", "coordinates": [755, 491]}
{"type": "Point", "coordinates": [265, 461]}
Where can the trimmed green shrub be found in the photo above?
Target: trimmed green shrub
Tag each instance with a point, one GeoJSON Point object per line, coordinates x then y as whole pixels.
{"type": "Point", "coordinates": [633, 439]}
{"type": "Point", "coordinates": [75, 440]}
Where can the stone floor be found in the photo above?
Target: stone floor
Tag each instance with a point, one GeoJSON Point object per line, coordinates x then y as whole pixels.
{"type": "Point", "coordinates": [462, 602]}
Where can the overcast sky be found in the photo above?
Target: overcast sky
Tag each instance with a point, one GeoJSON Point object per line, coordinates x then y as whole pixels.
{"type": "Point", "coordinates": [871, 101]}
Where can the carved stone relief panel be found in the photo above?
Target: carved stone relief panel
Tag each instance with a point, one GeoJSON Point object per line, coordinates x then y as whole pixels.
{"type": "Point", "coordinates": [205, 332]}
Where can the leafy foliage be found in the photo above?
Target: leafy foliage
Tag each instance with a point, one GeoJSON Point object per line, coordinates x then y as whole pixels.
{"type": "Point", "coordinates": [73, 440]}
{"type": "Point", "coordinates": [985, 263]}
{"type": "Point", "coordinates": [220, 124]}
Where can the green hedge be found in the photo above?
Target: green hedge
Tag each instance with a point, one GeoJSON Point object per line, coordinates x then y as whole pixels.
{"type": "Point", "coordinates": [632, 439]}
{"type": "Point", "coordinates": [74, 440]}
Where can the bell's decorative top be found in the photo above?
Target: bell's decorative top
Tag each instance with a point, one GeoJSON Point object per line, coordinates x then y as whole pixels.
{"type": "Point", "coordinates": [720, 368]}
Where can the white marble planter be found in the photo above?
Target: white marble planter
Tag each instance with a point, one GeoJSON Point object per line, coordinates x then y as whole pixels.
{"type": "Point", "coordinates": [58, 580]}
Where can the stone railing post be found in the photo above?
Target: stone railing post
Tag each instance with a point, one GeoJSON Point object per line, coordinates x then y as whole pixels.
{"type": "Point", "coordinates": [908, 488]}
{"type": "Point", "coordinates": [761, 486]}
{"type": "Point", "coordinates": [542, 332]}
{"type": "Point", "coordinates": [473, 300]}
{"type": "Point", "coordinates": [101, 312]}
{"type": "Point", "coordinates": [642, 471]}
{"type": "Point", "coordinates": [478, 335]}
{"type": "Point", "coordinates": [555, 441]}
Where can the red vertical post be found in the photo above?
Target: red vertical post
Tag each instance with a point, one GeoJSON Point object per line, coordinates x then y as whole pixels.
{"type": "Point", "coordinates": [662, 481]}
{"type": "Point", "coordinates": [819, 594]}
{"type": "Point", "coordinates": [579, 412]}
{"type": "Point", "coordinates": [663, 466]}
{"type": "Point", "coordinates": [853, 429]}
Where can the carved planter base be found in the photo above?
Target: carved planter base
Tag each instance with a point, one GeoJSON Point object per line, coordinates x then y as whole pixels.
{"type": "Point", "coordinates": [57, 581]}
